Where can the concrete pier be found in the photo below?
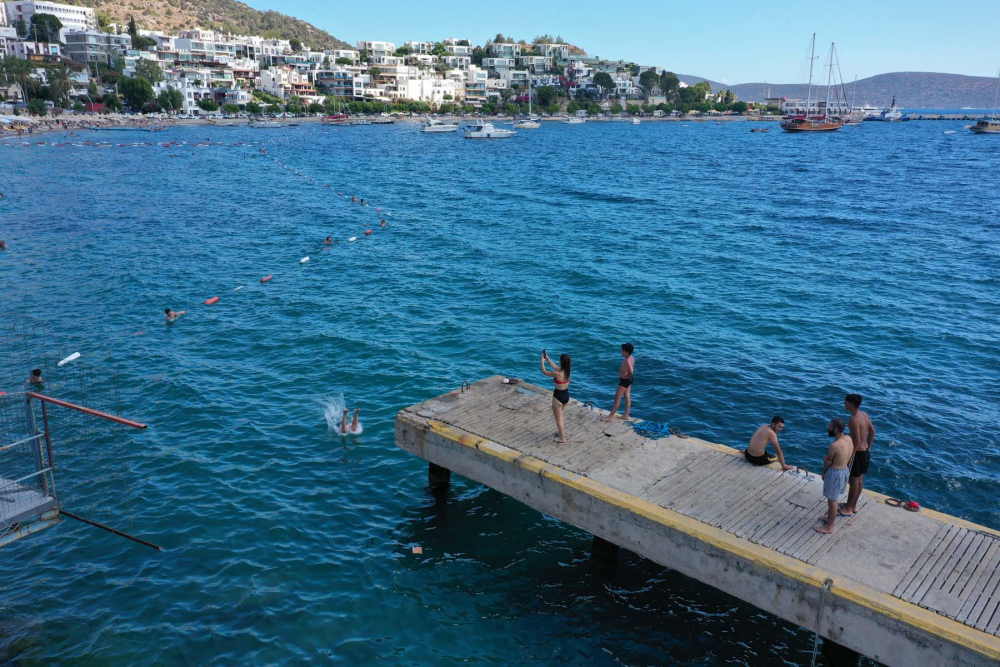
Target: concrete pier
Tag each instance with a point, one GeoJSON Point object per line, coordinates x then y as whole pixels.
{"type": "Point", "coordinates": [902, 588]}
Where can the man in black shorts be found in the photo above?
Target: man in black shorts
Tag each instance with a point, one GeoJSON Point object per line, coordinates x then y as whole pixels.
{"type": "Point", "coordinates": [862, 435]}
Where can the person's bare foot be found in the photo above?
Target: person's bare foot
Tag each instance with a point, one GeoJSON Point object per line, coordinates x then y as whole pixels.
{"type": "Point", "coordinates": [824, 529]}
{"type": "Point", "coordinates": [627, 417]}
{"type": "Point", "coordinates": [608, 418]}
{"type": "Point", "coordinates": [559, 441]}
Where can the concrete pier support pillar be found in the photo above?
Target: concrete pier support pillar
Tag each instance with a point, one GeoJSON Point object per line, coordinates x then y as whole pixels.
{"type": "Point", "coordinates": [835, 655]}
{"type": "Point", "coordinates": [604, 552]}
{"type": "Point", "coordinates": [439, 478]}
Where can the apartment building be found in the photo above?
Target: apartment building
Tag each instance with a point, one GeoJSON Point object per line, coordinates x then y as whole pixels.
{"type": "Point", "coordinates": [72, 17]}
{"type": "Point", "coordinates": [95, 46]}
{"type": "Point", "coordinates": [503, 50]}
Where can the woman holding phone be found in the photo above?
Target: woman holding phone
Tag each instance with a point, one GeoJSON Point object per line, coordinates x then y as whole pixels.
{"type": "Point", "coordinates": [560, 397]}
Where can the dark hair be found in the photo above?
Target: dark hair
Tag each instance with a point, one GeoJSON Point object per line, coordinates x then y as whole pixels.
{"type": "Point", "coordinates": [854, 399]}
{"type": "Point", "coordinates": [564, 362]}
{"type": "Point", "coordinates": [627, 347]}
{"type": "Point", "coordinates": [166, 310]}
{"type": "Point", "coordinates": [837, 425]}
{"type": "Point", "coordinates": [776, 419]}
{"type": "Point", "coordinates": [37, 372]}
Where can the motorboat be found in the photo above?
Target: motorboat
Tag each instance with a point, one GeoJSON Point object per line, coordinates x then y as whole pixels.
{"type": "Point", "coordinates": [263, 124]}
{"type": "Point", "coordinates": [434, 126]}
{"type": "Point", "coordinates": [383, 120]}
{"type": "Point", "coordinates": [360, 121]}
{"type": "Point", "coordinates": [487, 130]}
{"type": "Point", "coordinates": [575, 120]}
{"type": "Point", "coordinates": [636, 121]}
{"type": "Point", "coordinates": [891, 115]}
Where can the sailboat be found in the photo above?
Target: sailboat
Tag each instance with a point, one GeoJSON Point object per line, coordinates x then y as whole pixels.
{"type": "Point", "coordinates": [852, 117]}
{"type": "Point", "coordinates": [990, 125]}
{"type": "Point", "coordinates": [531, 122]}
{"type": "Point", "coordinates": [805, 122]}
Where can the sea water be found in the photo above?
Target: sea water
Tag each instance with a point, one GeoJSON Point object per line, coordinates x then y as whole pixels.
{"type": "Point", "coordinates": [756, 274]}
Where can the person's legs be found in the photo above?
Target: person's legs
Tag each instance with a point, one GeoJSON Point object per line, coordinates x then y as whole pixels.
{"type": "Point", "coordinates": [343, 422]}
{"type": "Point", "coordinates": [854, 483]}
{"type": "Point", "coordinates": [557, 412]}
{"type": "Point", "coordinates": [614, 410]}
{"type": "Point", "coordinates": [831, 517]}
{"type": "Point", "coordinates": [628, 402]}
{"type": "Point", "coordinates": [354, 424]}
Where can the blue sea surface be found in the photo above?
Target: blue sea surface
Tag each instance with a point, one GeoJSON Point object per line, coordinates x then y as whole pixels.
{"type": "Point", "coordinates": [754, 273]}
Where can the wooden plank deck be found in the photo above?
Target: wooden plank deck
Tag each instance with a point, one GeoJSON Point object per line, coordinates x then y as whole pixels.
{"type": "Point", "coordinates": [923, 560]}
{"type": "Point", "coordinates": [19, 502]}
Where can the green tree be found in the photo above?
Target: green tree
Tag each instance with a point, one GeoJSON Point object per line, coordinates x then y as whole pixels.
{"type": "Point", "coordinates": [148, 70]}
{"type": "Point", "coordinates": [500, 39]}
{"type": "Point", "coordinates": [295, 44]}
{"type": "Point", "coordinates": [21, 28]}
{"type": "Point", "coordinates": [439, 50]}
{"type": "Point", "coordinates": [376, 72]}
{"type": "Point", "coordinates": [78, 106]}
{"type": "Point", "coordinates": [616, 108]}
{"type": "Point", "coordinates": [92, 90]}
{"type": "Point", "coordinates": [728, 97]}
{"type": "Point", "coordinates": [649, 80]}
{"type": "Point", "coordinates": [594, 109]}
{"type": "Point", "coordinates": [19, 71]}
{"type": "Point", "coordinates": [739, 107]}
{"type": "Point", "coordinates": [552, 108]}
{"type": "Point", "coordinates": [170, 99]}
{"type": "Point", "coordinates": [326, 62]}
{"type": "Point", "coordinates": [669, 83]}
{"type": "Point", "coordinates": [633, 109]}
{"type": "Point", "coordinates": [404, 51]}
{"type": "Point", "coordinates": [478, 53]}
{"type": "Point", "coordinates": [206, 104]}
{"type": "Point", "coordinates": [344, 61]}
{"type": "Point", "coordinates": [546, 95]}
{"type": "Point", "coordinates": [704, 87]}
{"type": "Point", "coordinates": [447, 107]}
{"type": "Point", "coordinates": [604, 81]}
{"type": "Point", "coordinates": [111, 102]}
{"type": "Point", "coordinates": [60, 80]}
{"type": "Point", "coordinates": [44, 26]}
{"type": "Point", "coordinates": [573, 107]}
{"type": "Point", "coordinates": [272, 108]}
{"type": "Point", "coordinates": [137, 91]}
{"type": "Point", "coordinates": [315, 107]}
{"type": "Point", "coordinates": [36, 107]}
{"type": "Point", "coordinates": [104, 21]}
{"type": "Point", "coordinates": [231, 108]}
{"type": "Point", "coordinates": [253, 107]}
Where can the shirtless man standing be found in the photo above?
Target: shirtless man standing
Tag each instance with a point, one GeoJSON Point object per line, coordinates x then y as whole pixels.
{"type": "Point", "coordinates": [862, 436]}
{"type": "Point", "coordinates": [755, 452]}
{"type": "Point", "coordinates": [835, 472]}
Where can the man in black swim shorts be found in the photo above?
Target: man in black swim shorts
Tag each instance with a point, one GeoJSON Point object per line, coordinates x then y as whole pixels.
{"type": "Point", "coordinates": [626, 373]}
{"type": "Point", "coordinates": [756, 451]}
{"type": "Point", "coordinates": [862, 435]}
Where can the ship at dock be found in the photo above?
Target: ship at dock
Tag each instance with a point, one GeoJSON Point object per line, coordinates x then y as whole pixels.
{"type": "Point", "coordinates": [819, 122]}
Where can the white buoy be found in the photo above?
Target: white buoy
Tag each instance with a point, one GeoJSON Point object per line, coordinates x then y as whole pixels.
{"type": "Point", "coordinates": [303, 260]}
{"type": "Point", "coordinates": [237, 289]}
{"type": "Point", "coordinates": [352, 239]}
{"type": "Point", "coordinates": [72, 357]}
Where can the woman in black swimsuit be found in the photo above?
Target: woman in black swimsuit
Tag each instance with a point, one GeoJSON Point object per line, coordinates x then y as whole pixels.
{"type": "Point", "coordinates": [560, 397]}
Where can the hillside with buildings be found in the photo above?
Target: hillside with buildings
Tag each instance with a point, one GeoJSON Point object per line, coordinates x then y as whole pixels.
{"type": "Point", "coordinates": [172, 16]}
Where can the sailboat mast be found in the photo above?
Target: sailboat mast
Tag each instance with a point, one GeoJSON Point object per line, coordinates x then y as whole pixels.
{"type": "Point", "coordinates": [854, 93]}
{"type": "Point", "coordinates": [829, 78]}
{"type": "Point", "coordinates": [996, 95]}
{"type": "Point", "coordinates": [812, 57]}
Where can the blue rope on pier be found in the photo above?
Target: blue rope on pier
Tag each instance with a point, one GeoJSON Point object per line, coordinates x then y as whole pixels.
{"type": "Point", "coordinates": [652, 430]}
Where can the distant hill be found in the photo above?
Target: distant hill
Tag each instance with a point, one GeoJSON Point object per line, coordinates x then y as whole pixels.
{"type": "Point", "coordinates": [913, 90]}
{"type": "Point", "coordinates": [227, 15]}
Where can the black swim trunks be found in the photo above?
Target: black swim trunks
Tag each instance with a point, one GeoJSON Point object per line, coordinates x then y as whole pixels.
{"type": "Point", "coordinates": [561, 395]}
{"type": "Point", "coordinates": [861, 461]}
{"type": "Point", "coordinates": [625, 382]}
{"type": "Point", "coordinates": [761, 460]}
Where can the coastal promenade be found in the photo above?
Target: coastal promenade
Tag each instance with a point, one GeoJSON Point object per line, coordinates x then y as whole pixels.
{"type": "Point", "coordinates": [902, 588]}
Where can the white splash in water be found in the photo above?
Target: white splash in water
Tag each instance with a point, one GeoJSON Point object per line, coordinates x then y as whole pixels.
{"type": "Point", "coordinates": [333, 412]}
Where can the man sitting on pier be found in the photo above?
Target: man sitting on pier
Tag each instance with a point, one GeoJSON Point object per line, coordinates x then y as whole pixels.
{"type": "Point", "coordinates": [756, 453]}
{"type": "Point", "coordinates": [835, 472]}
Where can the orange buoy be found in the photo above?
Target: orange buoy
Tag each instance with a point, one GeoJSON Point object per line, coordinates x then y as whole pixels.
{"type": "Point", "coordinates": [211, 301]}
{"type": "Point", "coordinates": [266, 279]}
{"type": "Point", "coordinates": [368, 232]}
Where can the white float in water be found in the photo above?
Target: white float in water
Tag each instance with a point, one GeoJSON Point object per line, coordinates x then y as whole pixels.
{"type": "Point", "coordinates": [237, 289]}
{"type": "Point", "coordinates": [352, 239]}
{"type": "Point", "coordinates": [72, 357]}
{"type": "Point", "coordinates": [303, 260]}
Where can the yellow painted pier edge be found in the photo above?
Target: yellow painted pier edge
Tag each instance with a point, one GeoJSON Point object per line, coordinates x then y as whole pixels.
{"type": "Point", "coordinates": [888, 607]}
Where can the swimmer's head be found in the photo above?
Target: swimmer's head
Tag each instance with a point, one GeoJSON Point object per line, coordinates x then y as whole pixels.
{"type": "Point", "coordinates": [166, 310]}
{"type": "Point", "coordinates": [37, 372]}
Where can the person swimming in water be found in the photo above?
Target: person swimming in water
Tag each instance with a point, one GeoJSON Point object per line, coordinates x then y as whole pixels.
{"type": "Point", "coordinates": [173, 315]}
{"type": "Point", "coordinates": [354, 200]}
{"type": "Point", "coordinates": [328, 241]}
{"type": "Point", "coordinates": [383, 222]}
{"type": "Point", "coordinates": [3, 244]}
{"type": "Point", "coordinates": [362, 201]}
{"type": "Point", "coordinates": [36, 377]}
{"type": "Point", "coordinates": [354, 423]}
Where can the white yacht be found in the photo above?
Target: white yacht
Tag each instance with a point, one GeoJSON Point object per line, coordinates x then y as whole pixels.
{"type": "Point", "coordinates": [434, 126]}
{"type": "Point", "coordinates": [263, 123]}
{"type": "Point", "coordinates": [529, 123]}
{"type": "Point", "coordinates": [575, 120]}
{"type": "Point", "coordinates": [486, 130]}
{"type": "Point", "coordinates": [636, 121]}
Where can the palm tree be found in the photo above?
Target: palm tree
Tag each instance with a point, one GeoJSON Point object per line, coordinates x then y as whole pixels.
{"type": "Point", "coordinates": [19, 71]}
{"type": "Point", "coordinates": [60, 80]}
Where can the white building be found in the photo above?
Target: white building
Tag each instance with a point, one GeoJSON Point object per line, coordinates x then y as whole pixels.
{"type": "Point", "coordinates": [376, 49]}
{"type": "Point", "coordinates": [457, 62]}
{"type": "Point", "coordinates": [285, 81]}
{"type": "Point", "coordinates": [95, 46]}
{"type": "Point", "coordinates": [503, 50]}
{"type": "Point", "coordinates": [534, 63]}
{"type": "Point", "coordinates": [475, 85]}
{"type": "Point", "coordinates": [421, 48]}
{"type": "Point", "coordinates": [433, 90]}
{"type": "Point", "coordinates": [350, 54]}
{"type": "Point", "coordinates": [193, 90]}
{"type": "Point", "coordinates": [558, 52]}
{"type": "Point", "coordinates": [497, 66]}
{"type": "Point", "coordinates": [72, 17]}
{"type": "Point", "coordinates": [36, 51]}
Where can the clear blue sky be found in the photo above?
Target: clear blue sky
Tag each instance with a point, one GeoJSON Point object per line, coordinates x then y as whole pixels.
{"type": "Point", "coordinates": [729, 41]}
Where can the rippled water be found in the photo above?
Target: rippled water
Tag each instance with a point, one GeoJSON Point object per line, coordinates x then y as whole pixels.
{"type": "Point", "coordinates": [755, 274]}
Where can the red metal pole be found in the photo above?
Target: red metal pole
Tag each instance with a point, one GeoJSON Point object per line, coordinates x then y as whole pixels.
{"type": "Point", "coordinates": [86, 411]}
{"type": "Point", "coordinates": [48, 440]}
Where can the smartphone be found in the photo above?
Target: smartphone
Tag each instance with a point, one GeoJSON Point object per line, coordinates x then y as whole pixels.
{"type": "Point", "coordinates": [544, 355]}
